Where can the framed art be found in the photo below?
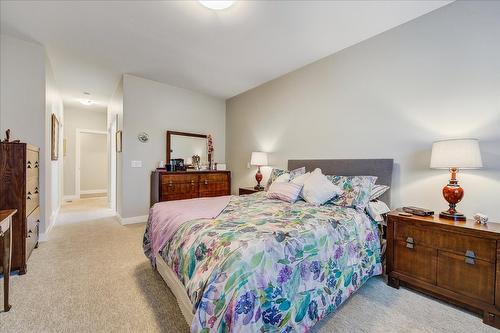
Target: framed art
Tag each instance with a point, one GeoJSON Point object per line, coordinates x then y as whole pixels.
{"type": "Point", "coordinates": [54, 143]}
{"type": "Point", "coordinates": [119, 141]}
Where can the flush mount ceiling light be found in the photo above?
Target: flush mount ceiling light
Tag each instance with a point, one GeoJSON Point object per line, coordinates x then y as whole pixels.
{"type": "Point", "coordinates": [87, 102]}
{"type": "Point", "coordinates": [216, 4]}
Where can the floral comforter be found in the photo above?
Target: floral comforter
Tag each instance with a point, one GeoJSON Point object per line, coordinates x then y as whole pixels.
{"type": "Point", "coordinates": [269, 266]}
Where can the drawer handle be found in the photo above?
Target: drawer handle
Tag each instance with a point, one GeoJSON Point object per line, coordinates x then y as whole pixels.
{"type": "Point", "coordinates": [410, 243]}
{"type": "Point", "coordinates": [28, 197]}
{"type": "Point", "coordinates": [36, 190]}
{"type": "Point", "coordinates": [206, 182]}
{"type": "Point", "coordinates": [29, 164]}
{"type": "Point", "coordinates": [470, 257]}
{"type": "Point", "coordinates": [170, 184]}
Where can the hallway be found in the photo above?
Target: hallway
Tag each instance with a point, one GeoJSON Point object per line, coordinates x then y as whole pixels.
{"type": "Point", "coordinates": [86, 209]}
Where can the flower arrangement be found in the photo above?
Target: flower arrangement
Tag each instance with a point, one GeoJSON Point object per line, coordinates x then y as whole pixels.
{"type": "Point", "coordinates": [210, 149]}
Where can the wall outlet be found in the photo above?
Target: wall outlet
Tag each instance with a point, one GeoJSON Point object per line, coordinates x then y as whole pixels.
{"type": "Point", "coordinates": [136, 164]}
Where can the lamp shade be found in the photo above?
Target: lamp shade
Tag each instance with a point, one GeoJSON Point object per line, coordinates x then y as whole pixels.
{"type": "Point", "coordinates": [456, 153]}
{"type": "Point", "coordinates": [258, 158]}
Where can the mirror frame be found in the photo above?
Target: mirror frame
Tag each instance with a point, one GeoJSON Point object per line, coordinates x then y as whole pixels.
{"type": "Point", "coordinates": [170, 133]}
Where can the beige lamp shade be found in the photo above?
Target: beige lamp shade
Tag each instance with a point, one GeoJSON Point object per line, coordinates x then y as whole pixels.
{"type": "Point", "coordinates": [456, 153]}
{"type": "Point", "coordinates": [258, 158]}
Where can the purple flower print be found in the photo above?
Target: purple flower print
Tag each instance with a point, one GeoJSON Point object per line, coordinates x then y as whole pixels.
{"type": "Point", "coordinates": [284, 274]}
{"type": "Point", "coordinates": [312, 310]}
{"type": "Point", "coordinates": [271, 316]}
{"type": "Point", "coordinates": [315, 269]}
{"type": "Point", "coordinates": [246, 303]}
{"type": "Point", "coordinates": [338, 253]}
{"type": "Point", "coordinates": [338, 299]}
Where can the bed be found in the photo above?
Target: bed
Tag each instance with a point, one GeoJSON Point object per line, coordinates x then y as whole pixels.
{"type": "Point", "coordinates": [267, 265]}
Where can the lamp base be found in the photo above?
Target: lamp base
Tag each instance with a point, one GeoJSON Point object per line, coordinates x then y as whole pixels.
{"type": "Point", "coordinates": [452, 216]}
{"type": "Point", "coordinates": [258, 187]}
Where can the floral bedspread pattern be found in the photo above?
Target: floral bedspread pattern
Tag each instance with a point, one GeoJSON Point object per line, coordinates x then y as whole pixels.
{"type": "Point", "coordinates": [265, 265]}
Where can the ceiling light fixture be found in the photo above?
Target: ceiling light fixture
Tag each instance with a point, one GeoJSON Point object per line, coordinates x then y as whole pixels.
{"type": "Point", "coordinates": [216, 4]}
{"type": "Point", "coordinates": [87, 102]}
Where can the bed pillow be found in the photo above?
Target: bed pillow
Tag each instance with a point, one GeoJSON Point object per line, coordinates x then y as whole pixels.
{"type": "Point", "coordinates": [376, 208]}
{"type": "Point", "coordinates": [377, 191]}
{"type": "Point", "coordinates": [318, 189]}
{"type": "Point", "coordinates": [355, 190]}
{"type": "Point", "coordinates": [275, 173]}
{"type": "Point", "coordinates": [285, 191]}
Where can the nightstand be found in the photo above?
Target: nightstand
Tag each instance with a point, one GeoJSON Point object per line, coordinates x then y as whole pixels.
{"type": "Point", "coordinates": [248, 190]}
{"type": "Point", "coordinates": [458, 262]}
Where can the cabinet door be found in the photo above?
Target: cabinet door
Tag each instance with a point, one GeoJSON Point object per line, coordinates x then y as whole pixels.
{"type": "Point", "coordinates": [474, 279]}
{"type": "Point", "coordinates": [178, 187]}
{"type": "Point", "coordinates": [415, 260]}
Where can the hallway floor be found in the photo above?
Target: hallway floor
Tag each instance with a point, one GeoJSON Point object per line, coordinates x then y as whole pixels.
{"type": "Point", "coordinates": [87, 209]}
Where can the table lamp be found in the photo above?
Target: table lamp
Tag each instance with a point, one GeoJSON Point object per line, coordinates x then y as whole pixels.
{"type": "Point", "coordinates": [259, 159]}
{"type": "Point", "coordinates": [455, 154]}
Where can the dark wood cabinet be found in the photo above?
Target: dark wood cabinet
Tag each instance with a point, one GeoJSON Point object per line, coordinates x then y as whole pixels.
{"type": "Point", "coordinates": [455, 261]}
{"type": "Point", "coordinates": [167, 186]}
{"type": "Point", "coordinates": [20, 189]}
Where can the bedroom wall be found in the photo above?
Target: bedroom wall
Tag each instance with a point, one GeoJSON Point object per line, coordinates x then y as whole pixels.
{"type": "Point", "coordinates": [28, 97]}
{"type": "Point", "coordinates": [84, 119]}
{"type": "Point", "coordinates": [390, 96]}
{"type": "Point", "coordinates": [154, 107]}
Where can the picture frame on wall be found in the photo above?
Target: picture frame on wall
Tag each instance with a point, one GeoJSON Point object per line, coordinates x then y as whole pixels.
{"type": "Point", "coordinates": [54, 143]}
{"type": "Point", "coordinates": [119, 141]}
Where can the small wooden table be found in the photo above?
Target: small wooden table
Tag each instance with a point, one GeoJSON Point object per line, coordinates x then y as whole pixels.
{"type": "Point", "coordinates": [6, 238]}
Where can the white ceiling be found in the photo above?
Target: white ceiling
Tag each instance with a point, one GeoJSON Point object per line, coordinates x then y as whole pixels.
{"type": "Point", "coordinates": [90, 44]}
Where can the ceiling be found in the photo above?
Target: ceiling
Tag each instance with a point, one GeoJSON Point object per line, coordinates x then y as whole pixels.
{"type": "Point", "coordinates": [220, 53]}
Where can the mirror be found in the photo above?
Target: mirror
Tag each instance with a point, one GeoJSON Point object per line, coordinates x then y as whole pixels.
{"type": "Point", "coordinates": [185, 145]}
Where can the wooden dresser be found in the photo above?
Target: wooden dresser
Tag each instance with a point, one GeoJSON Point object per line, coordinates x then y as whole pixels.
{"type": "Point", "coordinates": [166, 186]}
{"type": "Point", "coordinates": [19, 189]}
{"type": "Point", "coordinates": [458, 262]}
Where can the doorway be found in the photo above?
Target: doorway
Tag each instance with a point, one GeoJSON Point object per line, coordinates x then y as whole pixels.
{"type": "Point", "coordinates": [91, 164]}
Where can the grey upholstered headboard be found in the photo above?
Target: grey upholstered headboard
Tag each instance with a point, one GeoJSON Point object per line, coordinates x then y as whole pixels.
{"type": "Point", "coordinates": [382, 168]}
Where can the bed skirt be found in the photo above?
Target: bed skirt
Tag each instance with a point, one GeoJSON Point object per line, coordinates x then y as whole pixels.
{"type": "Point", "coordinates": [176, 287]}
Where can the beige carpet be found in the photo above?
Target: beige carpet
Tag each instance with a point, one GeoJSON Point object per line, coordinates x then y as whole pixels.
{"type": "Point", "coordinates": [92, 277]}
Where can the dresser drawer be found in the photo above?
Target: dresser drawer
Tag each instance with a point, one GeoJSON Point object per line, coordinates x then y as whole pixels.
{"type": "Point", "coordinates": [419, 234]}
{"type": "Point", "coordinates": [483, 248]}
{"type": "Point", "coordinates": [178, 191]}
{"type": "Point", "coordinates": [472, 280]}
{"type": "Point", "coordinates": [32, 201]}
{"type": "Point", "coordinates": [418, 261]}
{"type": "Point", "coordinates": [32, 230]}
{"type": "Point", "coordinates": [178, 178]}
{"type": "Point", "coordinates": [221, 177]}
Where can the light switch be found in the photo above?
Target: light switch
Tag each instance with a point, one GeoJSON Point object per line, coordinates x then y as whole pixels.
{"type": "Point", "coordinates": [136, 164]}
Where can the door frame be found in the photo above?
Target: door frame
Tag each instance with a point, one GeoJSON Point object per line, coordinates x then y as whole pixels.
{"type": "Point", "coordinates": [79, 131]}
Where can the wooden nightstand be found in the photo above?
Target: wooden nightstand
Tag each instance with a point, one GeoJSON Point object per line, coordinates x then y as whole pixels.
{"type": "Point", "coordinates": [453, 261]}
{"type": "Point", "coordinates": [248, 190]}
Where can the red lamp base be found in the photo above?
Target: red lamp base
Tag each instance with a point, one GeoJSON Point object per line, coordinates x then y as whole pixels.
{"type": "Point", "coordinates": [258, 178]}
{"type": "Point", "coordinates": [453, 193]}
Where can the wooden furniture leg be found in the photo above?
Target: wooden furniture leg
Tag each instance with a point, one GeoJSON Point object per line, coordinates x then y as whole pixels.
{"type": "Point", "coordinates": [6, 272]}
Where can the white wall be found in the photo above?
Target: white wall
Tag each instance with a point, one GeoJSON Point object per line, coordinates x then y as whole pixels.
{"type": "Point", "coordinates": [388, 97]}
{"type": "Point", "coordinates": [78, 118]}
{"type": "Point", "coordinates": [93, 162]}
{"type": "Point", "coordinates": [115, 123]}
{"type": "Point", "coordinates": [28, 97]}
{"type": "Point", "coordinates": [53, 169]}
{"type": "Point", "coordinates": [154, 108]}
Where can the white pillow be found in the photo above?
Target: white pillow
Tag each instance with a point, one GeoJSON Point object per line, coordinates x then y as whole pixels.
{"type": "Point", "coordinates": [378, 190]}
{"type": "Point", "coordinates": [375, 209]}
{"type": "Point", "coordinates": [288, 191]}
{"type": "Point", "coordinates": [284, 178]}
{"type": "Point", "coordinates": [318, 189]}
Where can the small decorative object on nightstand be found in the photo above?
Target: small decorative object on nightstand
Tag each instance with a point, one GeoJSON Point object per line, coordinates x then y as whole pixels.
{"type": "Point", "coordinates": [258, 159]}
{"type": "Point", "coordinates": [455, 154]}
{"type": "Point", "coordinates": [249, 190]}
{"type": "Point", "coordinates": [452, 260]}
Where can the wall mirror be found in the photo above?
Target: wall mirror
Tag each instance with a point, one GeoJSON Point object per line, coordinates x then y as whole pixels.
{"type": "Point", "coordinates": [185, 145]}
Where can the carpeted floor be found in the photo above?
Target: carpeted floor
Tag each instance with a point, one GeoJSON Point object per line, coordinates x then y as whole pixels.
{"type": "Point", "coordinates": [91, 276]}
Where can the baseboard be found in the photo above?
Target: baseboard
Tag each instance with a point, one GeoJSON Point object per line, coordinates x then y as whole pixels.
{"type": "Point", "coordinates": [132, 220]}
{"type": "Point", "coordinates": [44, 236]}
{"type": "Point", "coordinates": [70, 197]}
{"type": "Point", "coordinates": [94, 191]}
